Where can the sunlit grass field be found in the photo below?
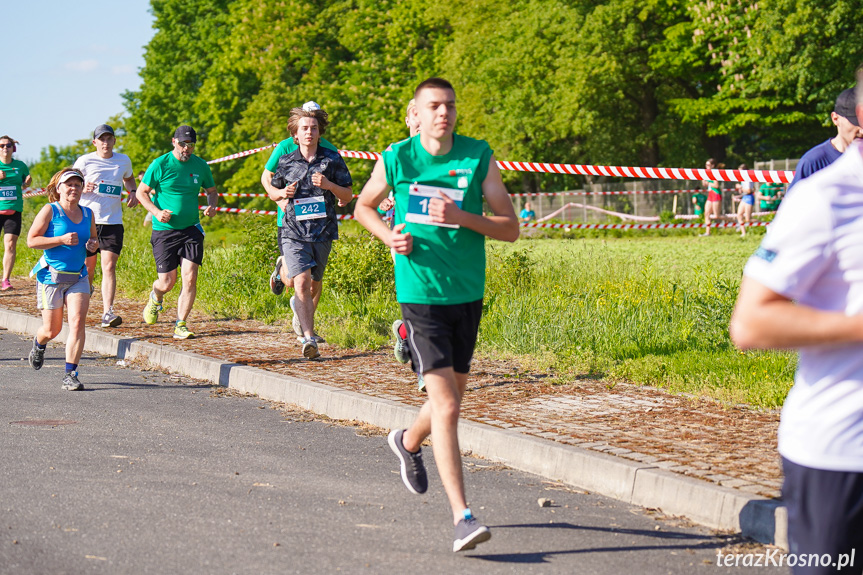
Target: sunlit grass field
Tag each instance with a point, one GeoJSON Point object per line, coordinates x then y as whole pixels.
{"type": "Point", "coordinates": [646, 309]}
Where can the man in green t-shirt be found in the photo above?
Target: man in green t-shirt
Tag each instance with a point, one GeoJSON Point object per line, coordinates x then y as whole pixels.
{"type": "Point", "coordinates": [439, 181]}
{"type": "Point", "coordinates": [174, 180]}
{"type": "Point", "coordinates": [14, 177]}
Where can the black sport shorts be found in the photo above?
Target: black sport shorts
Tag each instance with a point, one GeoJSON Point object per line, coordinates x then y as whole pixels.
{"type": "Point", "coordinates": [110, 238]}
{"type": "Point", "coordinates": [442, 335]}
{"type": "Point", "coordinates": [170, 246]}
{"type": "Point", "coordinates": [11, 224]}
{"type": "Point", "coordinates": [825, 514]}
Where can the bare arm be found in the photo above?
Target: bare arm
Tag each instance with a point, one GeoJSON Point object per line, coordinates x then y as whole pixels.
{"type": "Point", "coordinates": [131, 186]}
{"type": "Point", "coordinates": [366, 212]}
{"type": "Point", "coordinates": [212, 201]}
{"type": "Point", "coordinates": [503, 225]}
{"type": "Point", "coordinates": [143, 194]}
{"type": "Point", "coordinates": [764, 319]}
{"type": "Point", "coordinates": [36, 236]}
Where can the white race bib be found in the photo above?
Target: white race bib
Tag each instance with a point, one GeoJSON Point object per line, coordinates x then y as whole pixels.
{"type": "Point", "coordinates": [420, 198]}
{"type": "Point", "coordinates": [110, 189]}
{"type": "Point", "coordinates": [8, 193]}
{"type": "Point", "coordinates": [310, 208]}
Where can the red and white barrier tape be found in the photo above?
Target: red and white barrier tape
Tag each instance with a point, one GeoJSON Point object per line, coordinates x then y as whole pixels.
{"type": "Point", "coordinates": [701, 217]}
{"type": "Point", "coordinates": [549, 226]}
{"type": "Point", "coordinates": [765, 176]}
{"type": "Point", "coordinates": [638, 226]}
{"type": "Point", "coordinates": [241, 154]}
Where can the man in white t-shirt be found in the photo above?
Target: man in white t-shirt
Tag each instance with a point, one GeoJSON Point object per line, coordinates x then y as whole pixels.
{"type": "Point", "coordinates": [106, 173]}
{"type": "Point", "coordinates": [803, 289]}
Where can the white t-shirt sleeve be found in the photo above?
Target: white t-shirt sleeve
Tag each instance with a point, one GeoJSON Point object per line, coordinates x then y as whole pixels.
{"type": "Point", "coordinates": [81, 164]}
{"type": "Point", "coordinates": [798, 244]}
{"type": "Point", "coordinates": [127, 167]}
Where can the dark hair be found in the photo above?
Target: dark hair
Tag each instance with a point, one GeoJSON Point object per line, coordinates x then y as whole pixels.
{"type": "Point", "coordinates": [298, 113]}
{"type": "Point", "coordinates": [433, 83]}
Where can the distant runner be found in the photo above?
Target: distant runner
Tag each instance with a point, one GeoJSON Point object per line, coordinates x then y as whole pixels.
{"type": "Point", "coordinates": [14, 177]}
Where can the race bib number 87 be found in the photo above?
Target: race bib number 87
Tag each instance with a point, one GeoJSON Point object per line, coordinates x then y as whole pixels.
{"type": "Point", "coordinates": [113, 189]}
{"type": "Point", "coordinates": [420, 198]}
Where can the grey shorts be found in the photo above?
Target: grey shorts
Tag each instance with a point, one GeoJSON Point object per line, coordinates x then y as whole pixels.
{"type": "Point", "coordinates": [49, 296]}
{"type": "Point", "coordinates": [301, 256]}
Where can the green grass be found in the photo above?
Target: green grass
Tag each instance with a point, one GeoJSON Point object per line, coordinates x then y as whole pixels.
{"type": "Point", "coordinates": [648, 309]}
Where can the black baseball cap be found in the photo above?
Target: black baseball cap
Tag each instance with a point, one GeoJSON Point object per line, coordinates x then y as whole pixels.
{"type": "Point", "coordinates": [846, 106]}
{"type": "Point", "coordinates": [185, 134]}
{"type": "Point", "coordinates": [102, 129]}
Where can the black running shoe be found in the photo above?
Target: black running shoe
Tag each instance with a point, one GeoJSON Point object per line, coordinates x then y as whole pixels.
{"type": "Point", "coordinates": [468, 534]}
{"type": "Point", "coordinates": [71, 383]}
{"type": "Point", "coordinates": [412, 468]}
{"type": "Point", "coordinates": [37, 357]}
{"type": "Point", "coordinates": [277, 286]}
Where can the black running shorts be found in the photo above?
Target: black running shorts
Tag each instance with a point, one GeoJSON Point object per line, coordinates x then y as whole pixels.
{"type": "Point", "coordinates": [11, 224]}
{"type": "Point", "coordinates": [442, 335]}
{"type": "Point", "coordinates": [825, 515]}
{"type": "Point", "coordinates": [170, 246]}
{"type": "Point", "coordinates": [110, 238]}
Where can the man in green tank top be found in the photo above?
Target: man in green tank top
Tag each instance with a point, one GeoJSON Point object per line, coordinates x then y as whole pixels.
{"type": "Point", "coordinates": [439, 180]}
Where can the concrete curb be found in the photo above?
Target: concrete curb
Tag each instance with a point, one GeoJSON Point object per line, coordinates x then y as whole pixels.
{"type": "Point", "coordinates": [762, 519]}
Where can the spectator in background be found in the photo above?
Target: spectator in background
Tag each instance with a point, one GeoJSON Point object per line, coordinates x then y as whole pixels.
{"type": "Point", "coordinates": [527, 214]}
{"type": "Point", "coordinates": [848, 129]}
{"type": "Point", "coordinates": [747, 200]}
{"type": "Point", "coordinates": [769, 196]}
{"type": "Point", "coordinates": [713, 206]}
{"type": "Point", "coordinates": [699, 198]}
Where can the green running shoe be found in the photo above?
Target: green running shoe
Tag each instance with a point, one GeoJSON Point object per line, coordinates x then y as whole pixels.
{"type": "Point", "coordinates": [152, 309]}
{"type": "Point", "coordinates": [182, 332]}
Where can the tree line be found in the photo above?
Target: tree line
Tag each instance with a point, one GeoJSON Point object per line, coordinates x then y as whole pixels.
{"type": "Point", "coordinates": [620, 82]}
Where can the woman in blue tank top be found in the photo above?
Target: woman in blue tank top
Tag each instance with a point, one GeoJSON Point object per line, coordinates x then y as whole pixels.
{"type": "Point", "coordinates": [65, 231]}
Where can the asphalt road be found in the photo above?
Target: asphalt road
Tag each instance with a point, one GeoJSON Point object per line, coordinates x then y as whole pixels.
{"type": "Point", "coordinates": [148, 473]}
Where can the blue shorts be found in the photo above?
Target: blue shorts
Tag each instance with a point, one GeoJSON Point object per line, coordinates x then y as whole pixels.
{"type": "Point", "coordinates": [748, 199]}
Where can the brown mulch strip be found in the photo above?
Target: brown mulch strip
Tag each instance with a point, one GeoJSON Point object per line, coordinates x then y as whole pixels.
{"type": "Point", "coordinates": [730, 445]}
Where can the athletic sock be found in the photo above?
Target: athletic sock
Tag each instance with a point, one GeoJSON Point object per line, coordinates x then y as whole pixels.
{"type": "Point", "coordinates": [39, 345]}
{"type": "Point", "coordinates": [70, 367]}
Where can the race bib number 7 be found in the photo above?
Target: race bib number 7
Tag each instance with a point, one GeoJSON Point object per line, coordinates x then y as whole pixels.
{"type": "Point", "coordinates": [8, 193]}
{"type": "Point", "coordinates": [420, 198]}
{"type": "Point", "coordinates": [310, 208]}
